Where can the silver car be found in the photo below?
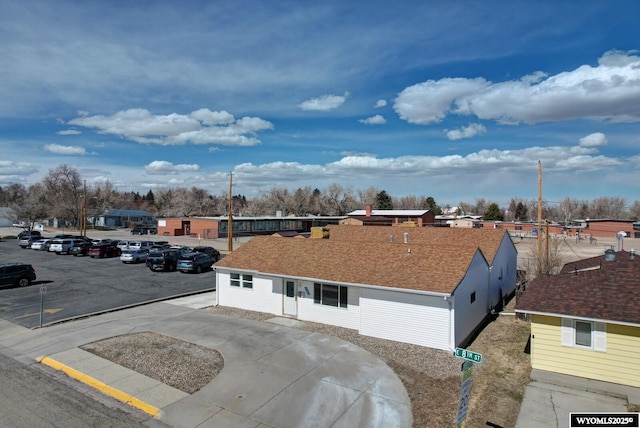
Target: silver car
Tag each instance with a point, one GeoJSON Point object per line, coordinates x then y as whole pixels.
{"type": "Point", "coordinates": [132, 255]}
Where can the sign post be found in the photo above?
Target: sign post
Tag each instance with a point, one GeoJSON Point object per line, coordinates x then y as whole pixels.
{"type": "Point", "coordinates": [43, 291]}
{"type": "Point", "coordinates": [465, 388]}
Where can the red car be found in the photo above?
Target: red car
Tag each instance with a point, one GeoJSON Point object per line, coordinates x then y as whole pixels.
{"type": "Point", "coordinates": [105, 250]}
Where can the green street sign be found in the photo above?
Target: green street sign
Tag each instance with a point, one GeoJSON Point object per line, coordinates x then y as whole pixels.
{"type": "Point", "coordinates": [468, 355]}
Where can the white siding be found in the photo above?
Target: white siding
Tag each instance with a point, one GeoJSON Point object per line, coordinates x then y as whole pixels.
{"type": "Point", "coordinates": [403, 317]}
{"type": "Point", "coordinates": [468, 315]}
{"type": "Point", "coordinates": [348, 317]}
{"type": "Point", "coordinates": [265, 296]}
{"type": "Point", "coordinates": [504, 270]}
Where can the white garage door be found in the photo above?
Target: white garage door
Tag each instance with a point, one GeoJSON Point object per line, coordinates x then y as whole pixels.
{"type": "Point", "coordinates": [411, 318]}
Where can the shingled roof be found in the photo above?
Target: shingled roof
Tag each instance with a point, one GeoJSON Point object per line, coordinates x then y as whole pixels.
{"type": "Point", "coordinates": [429, 268]}
{"type": "Point", "coordinates": [607, 291]}
{"type": "Point", "coordinates": [488, 240]}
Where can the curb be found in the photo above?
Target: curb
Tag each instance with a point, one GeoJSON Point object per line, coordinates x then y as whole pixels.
{"type": "Point", "coordinates": [100, 386]}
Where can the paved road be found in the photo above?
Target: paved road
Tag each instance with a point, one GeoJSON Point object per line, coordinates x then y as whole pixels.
{"type": "Point", "coordinates": [31, 397]}
{"type": "Point", "coordinates": [77, 286]}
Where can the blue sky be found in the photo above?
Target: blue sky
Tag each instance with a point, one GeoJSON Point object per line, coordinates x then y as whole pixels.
{"type": "Point", "coordinates": [455, 100]}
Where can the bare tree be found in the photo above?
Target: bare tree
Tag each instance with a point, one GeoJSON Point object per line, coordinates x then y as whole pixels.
{"type": "Point", "coordinates": [368, 196]}
{"type": "Point", "coordinates": [64, 191]}
{"type": "Point", "coordinates": [549, 262]}
{"type": "Point", "coordinates": [340, 200]}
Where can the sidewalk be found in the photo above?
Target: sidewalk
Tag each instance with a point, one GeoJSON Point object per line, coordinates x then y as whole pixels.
{"type": "Point", "coordinates": [273, 375]}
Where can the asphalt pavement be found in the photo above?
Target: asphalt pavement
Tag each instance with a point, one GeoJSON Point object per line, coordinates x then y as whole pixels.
{"type": "Point", "coordinates": [274, 374]}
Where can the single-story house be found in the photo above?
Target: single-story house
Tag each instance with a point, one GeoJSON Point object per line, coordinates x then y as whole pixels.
{"type": "Point", "coordinates": [122, 218]}
{"type": "Point", "coordinates": [585, 321]}
{"type": "Point", "coordinates": [431, 290]}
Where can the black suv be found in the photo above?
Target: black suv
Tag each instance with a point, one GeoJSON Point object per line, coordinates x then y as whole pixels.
{"type": "Point", "coordinates": [215, 254]}
{"type": "Point", "coordinates": [163, 260]}
{"type": "Point", "coordinates": [17, 274]}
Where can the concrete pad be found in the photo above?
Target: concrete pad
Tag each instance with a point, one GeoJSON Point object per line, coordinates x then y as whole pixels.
{"type": "Point", "coordinates": [287, 322]}
{"type": "Point", "coordinates": [307, 403]}
{"type": "Point", "coordinates": [111, 374]}
{"type": "Point", "coordinates": [188, 412]}
{"type": "Point", "coordinates": [227, 419]}
{"type": "Point", "coordinates": [199, 301]}
{"type": "Point", "coordinates": [71, 356]}
{"type": "Point", "coordinates": [244, 388]}
{"type": "Point", "coordinates": [373, 411]}
{"type": "Point", "coordinates": [306, 353]}
{"type": "Point", "coordinates": [161, 395]}
{"type": "Point", "coordinates": [135, 384]}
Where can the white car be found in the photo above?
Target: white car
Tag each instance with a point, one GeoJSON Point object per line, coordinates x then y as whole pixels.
{"type": "Point", "coordinates": [133, 256]}
{"type": "Point", "coordinates": [63, 246]}
{"type": "Point", "coordinates": [140, 245]}
{"type": "Point", "coordinates": [123, 245]}
{"type": "Point", "coordinates": [41, 245]}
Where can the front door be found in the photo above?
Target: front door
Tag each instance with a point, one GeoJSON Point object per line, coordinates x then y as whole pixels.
{"type": "Point", "coordinates": [289, 302]}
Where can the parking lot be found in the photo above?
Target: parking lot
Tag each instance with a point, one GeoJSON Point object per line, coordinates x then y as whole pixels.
{"type": "Point", "coordinates": [69, 287]}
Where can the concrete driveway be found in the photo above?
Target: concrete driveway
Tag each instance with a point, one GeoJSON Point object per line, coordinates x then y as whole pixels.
{"type": "Point", "coordinates": [273, 375]}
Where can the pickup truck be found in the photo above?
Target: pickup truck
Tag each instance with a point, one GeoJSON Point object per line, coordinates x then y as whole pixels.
{"type": "Point", "coordinates": [164, 260]}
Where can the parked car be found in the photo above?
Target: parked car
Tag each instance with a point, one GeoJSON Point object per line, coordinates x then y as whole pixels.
{"type": "Point", "coordinates": [123, 245]}
{"type": "Point", "coordinates": [26, 241]}
{"type": "Point", "coordinates": [109, 249]}
{"type": "Point", "coordinates": [130, 255]}
{"type": "Point", "coordinates": [215, 254]}
{"type": "Point", "coordinates": [64, 246]}
{"type": "Point", "coordinates": [41, 245]}
{"type": "Point", "coordinates": [16, 274]}
{"type": "Point", "coordinates": [163, 260]}
{"type": "Point", "coordinates": [144, 230]}
{"type": "Point", "coordinates": [195, 262]}
{"type": "Point", "coordinates": [140, 245]}
{"type": "Point", "coordinates": [81, 248]}
{"type": "Point", "coordinates": [28, 233]}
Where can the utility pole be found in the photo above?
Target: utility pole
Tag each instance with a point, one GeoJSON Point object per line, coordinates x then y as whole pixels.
{"type": "Point", "coordinates": [230, 222]}
{"type": "Point", "coordinates": [539, 218]}
{"type": "Point", "coordinates": [83, 221]}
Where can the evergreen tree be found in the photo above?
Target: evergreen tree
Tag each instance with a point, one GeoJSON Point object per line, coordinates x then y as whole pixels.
{"type": "Point", "coordinates": [493, 212]}
{"type": "Point", "coordinates": [383, 201]}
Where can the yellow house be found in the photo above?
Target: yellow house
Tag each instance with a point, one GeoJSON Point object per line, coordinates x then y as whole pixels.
{"type": "Point", "coordinates": [585, 321]}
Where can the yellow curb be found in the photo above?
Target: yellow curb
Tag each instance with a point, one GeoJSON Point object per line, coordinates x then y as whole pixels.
{"type": "Point", "coordinates": [100, 386]}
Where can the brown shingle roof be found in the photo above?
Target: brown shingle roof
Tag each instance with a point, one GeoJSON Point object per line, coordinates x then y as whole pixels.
{"type": "Point", "coordinates": [611, 292]}
{"type": "Point", "coordinates": [428, 268]}
{"type": "Point", "coordinates": [488, 240]}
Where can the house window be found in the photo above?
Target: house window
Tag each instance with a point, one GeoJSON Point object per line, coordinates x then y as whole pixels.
{"type": "Point", "coordinates": [237, 280]}
{"type": "Point", "coordinates": [330, 295]}
{"type": "Point", "coordinates": [473, 297]}
{"type": "Point", "coordinates": [584, 334]}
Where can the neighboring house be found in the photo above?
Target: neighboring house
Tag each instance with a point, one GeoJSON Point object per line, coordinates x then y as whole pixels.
{"type": "Point", "coordinates": [429, 289]}
{"type": "Point", "coordinates": [7, 217]}
{"type": "Point", "coordinates": [371, 217]}
{"type": "Point", "coordinates": [122, 218]}
{"type": "Point", "coordinates": [585, 321]}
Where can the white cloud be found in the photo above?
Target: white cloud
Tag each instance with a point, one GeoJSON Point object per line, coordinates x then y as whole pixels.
{"type": "Point", "coordinates": [324, 103]}
{"type": "Point", "coordinates": [200, 127]}
{"type": "Point", "coordinates": [380, 103]}
{"type": "Point", "coordinates": [430, 101]}
{"type": "Point", "coordinates": [164, 167]}
{"type": "Point", "coordinates": [374, 120]}
{"type": "Point", "coordinates": [65, 150]}
{"type": "Point", "coordinates": [597, 139]}
{"type": "Point", "coordinates": [69, 132]}
{"type": "Point", "coordinates": [610, 91]}
{"type": "Point", "coordinates": [16, 169]}
{"type": "Point", "coordinates": [466, 131]}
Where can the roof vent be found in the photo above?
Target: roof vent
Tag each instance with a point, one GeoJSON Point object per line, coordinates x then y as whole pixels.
{"type": "Point", "coordinates": [406, 237]}
{"type": "Point", "coordinates": [391, 238]}
{"type": "Point", "coordinates": [632, 254]}
{"type": "Point", "coordinates": [610, 255]}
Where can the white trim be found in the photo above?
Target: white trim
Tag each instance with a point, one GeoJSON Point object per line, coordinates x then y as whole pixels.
{"type": "Point", "coordinates": [551, 314]}
{"type": "Point", "coordinates": [600, 336]}
{"type": "Point", "coordinates": [566, 332]}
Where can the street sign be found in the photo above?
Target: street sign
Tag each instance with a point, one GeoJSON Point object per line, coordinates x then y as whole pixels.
{"type": "Point", "coordinates": [468, 355]}
{"type": "Point", "coordinates": [43, 290]}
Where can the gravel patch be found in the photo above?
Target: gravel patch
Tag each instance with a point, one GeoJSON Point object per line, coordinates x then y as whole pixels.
{"type": "Point", "coordinates": [182, 365]}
